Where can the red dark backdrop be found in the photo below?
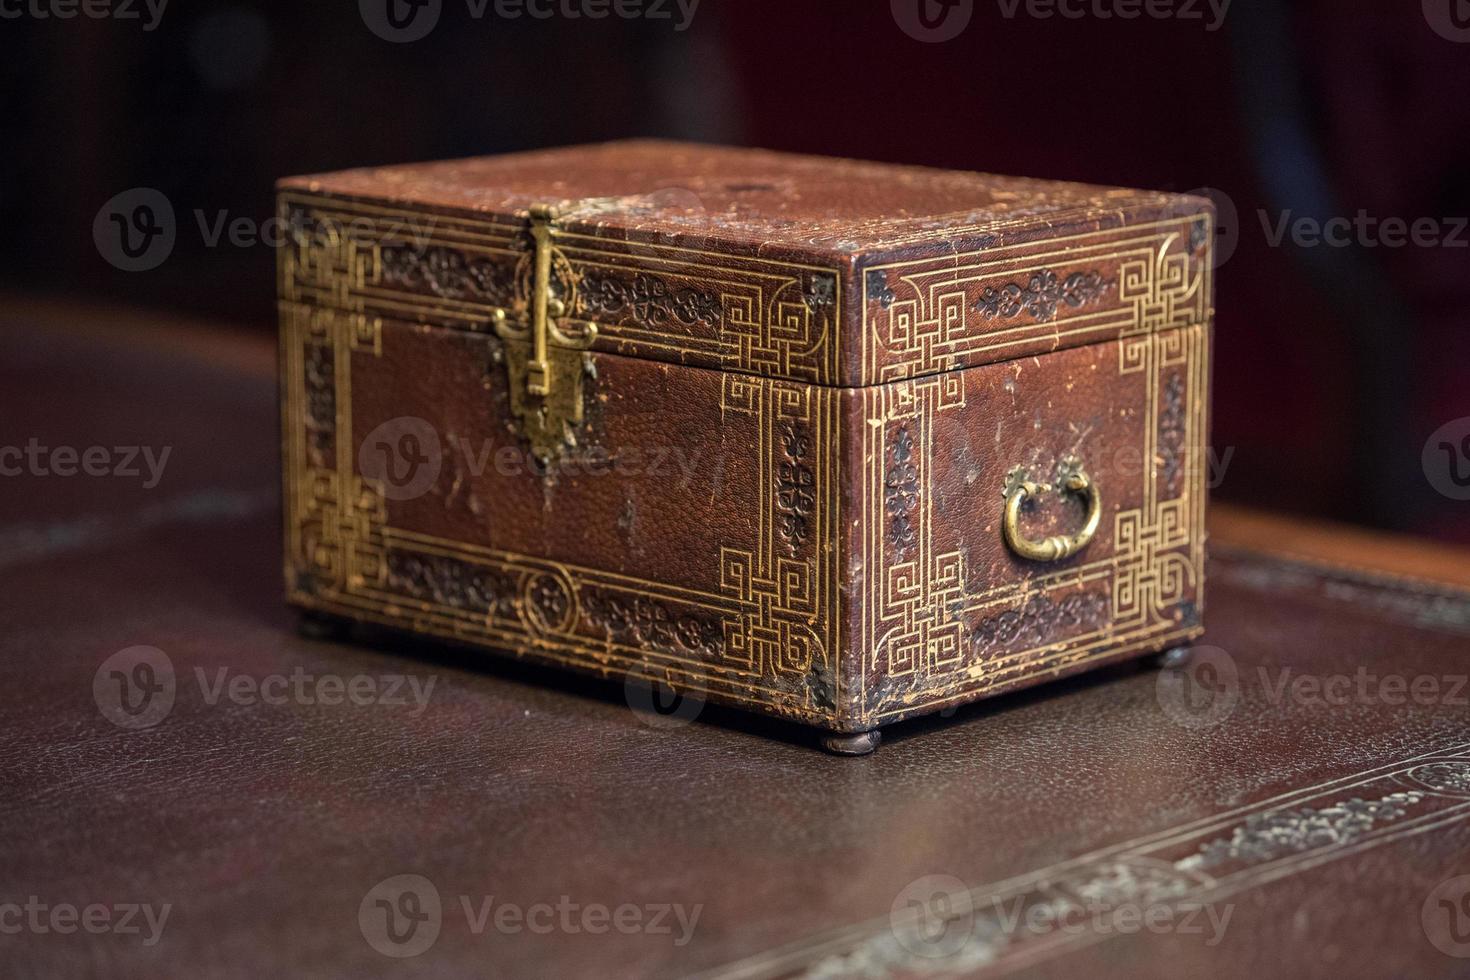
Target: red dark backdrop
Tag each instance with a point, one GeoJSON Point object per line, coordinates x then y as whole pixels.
{"type": "Point", "coordinates": [1333, 365]}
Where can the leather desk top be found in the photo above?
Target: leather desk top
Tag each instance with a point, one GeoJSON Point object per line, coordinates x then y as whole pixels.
{"type": "Point", "coordinates": [1317, 834]}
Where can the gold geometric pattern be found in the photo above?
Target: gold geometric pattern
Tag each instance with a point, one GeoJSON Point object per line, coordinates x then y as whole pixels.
{"type": "Point", "coordinates": [768, 318]}
{"type": "Point", "coordinates": [928, 315]}
{"type": "Point", "coordinates": [331, 262]}
{"type": "Point", "coordinates": [1152, 571]}
{"type": "Point", "coordinates": [1162, 289]}
{"type": "Point", "coordinates": [1155, 564]}
{"type": "Point", "coordinates": [920, 611]}
{"type": "Point", "coordinates": [767, 638]}
{"type": "Point", "coordinates": [909, 613]}
{"type": "Point", "coordinates": [776, 633]}
{"type": "Point", "coordinates": [771, 630]}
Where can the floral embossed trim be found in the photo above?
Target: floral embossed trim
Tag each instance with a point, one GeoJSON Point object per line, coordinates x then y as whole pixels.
{"type": "Point", "coordinates": [648, 299]}
{"type": "Point", "coordinates": [1171, 434]}
{"type": "Point", "coordinates": [446, 272]}
{"type": "Point", "coordinates": [1042, 295]}
{"type": "Point", "coordinates": [640, 621]}
{"type": "Point", "coordinates": [795, 487]}
{"type": "Point", "coordinates": [901, 490]}
{"type": "Point", "coordinates": [1041, 620]}
{"type": "Point", "coordinates": [452, 583]}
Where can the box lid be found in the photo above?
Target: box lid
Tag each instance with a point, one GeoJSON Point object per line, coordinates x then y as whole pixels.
{"type": "Point", "coordinates": [829, 271]}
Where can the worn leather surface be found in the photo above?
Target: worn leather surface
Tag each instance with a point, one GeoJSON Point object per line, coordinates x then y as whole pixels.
{"type": "Point", "coordinates": [798, 267]}
{"type": "Point", "coordinates": [747, 198]}
{"type": "Point", "coordinates": [834, 555]}
{"type": "Point", "coordinates": [668, 486]}
{"type": "Point", "coordinates": [265, 826]}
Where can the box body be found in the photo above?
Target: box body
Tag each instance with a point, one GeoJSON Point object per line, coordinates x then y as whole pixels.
{"type": "Point", "coordinates": [780, 456]}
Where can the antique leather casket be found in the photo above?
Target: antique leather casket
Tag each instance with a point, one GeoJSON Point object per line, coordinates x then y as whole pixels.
{"type": "Point", "coordinates": [839, 442]}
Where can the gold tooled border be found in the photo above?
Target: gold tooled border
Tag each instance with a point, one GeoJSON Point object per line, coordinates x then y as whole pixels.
{"type": "Point", "coordinates": [783, 612]}
{"type": "Point", "coordinates": [1158, 550]}
{"type": "Point", "coordinates": [929, 338]}
{"type": "Point", "coordinates": [333, 308]}
{"type": "Point", "coordinates": [767, 326]}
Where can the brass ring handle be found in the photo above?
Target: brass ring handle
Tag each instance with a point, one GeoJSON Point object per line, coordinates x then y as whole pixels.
{"type": "Point", "coordinates": [1060, 546]}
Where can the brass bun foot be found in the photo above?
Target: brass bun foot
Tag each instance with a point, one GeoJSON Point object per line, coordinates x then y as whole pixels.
{"type": "Point", "coordinates": [320, 626]}
{"type": "Point", "coordinates": [1174, 657]}
{"type": "Point", "coordinates": [860, 743]}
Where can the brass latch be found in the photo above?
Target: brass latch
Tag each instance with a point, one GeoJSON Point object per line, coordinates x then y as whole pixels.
{"type": "Point", "coordinates": [543, 349]}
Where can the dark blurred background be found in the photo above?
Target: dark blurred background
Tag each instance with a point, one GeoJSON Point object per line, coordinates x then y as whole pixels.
{"type": "Point", "coordinates": [1336, 364]}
